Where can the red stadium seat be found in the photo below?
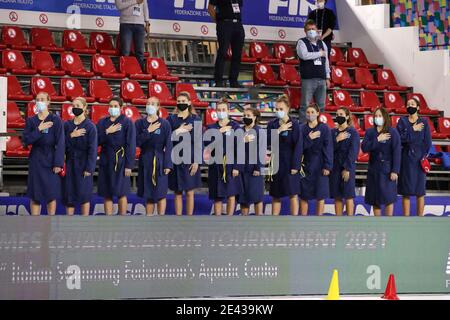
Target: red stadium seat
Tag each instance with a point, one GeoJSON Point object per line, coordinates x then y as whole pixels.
{"type": "Point", "coordinates": [14, 62]}
{"type": "Point", "coordinates": [31, 109]}
{"type": "Point", "coordinates": [357, 56]}
{"type": "Point", "coordinates": [71, 88]}
{"type": "Point", "coordinates": [194, 98]}
{"type": "Point", "coordinates": [42, 38]}
{"type": "Point", "coordinates": [14, 119]}
{"type": "Point", "coordinates": [369, 100]}
{"type": "Point", "coordinates": [43, 84]}
{"type": "Point", "coordinates": [75, 41]}
{"type": "Point", "coordinates": [341, 78]}
{"type": "Point", "coordinates": [364, 77]}
{"type": "Point", "coordinates": [98, 112]}
{"type": "Point", "coordinates": [357, 127]}
{"type": "Point", "coordinates": [157, 67]}
{"type": "Point", "coordinates": [444, 126]}
{"type": "Point", "coordinates": [102, 65]}
{"type": "Point", "coordinates": [13, 37]}
{"type": "Point", "coordinates": [71, 63]}
{"type": "Point", "coordinates": [327, 119]}
{"type": "Point", "coordinates": [263, 73]}
{"type": "Point", "coordinates": [100, 90]}
{"type": "Point", "coordinates": [286, 53]}
{"type": "Point", "coordinates": [162, 92]}
{"type": "Point", "coordinates": [342, 98]}
{"type": "Point", "coordinates": [210, 117]}
{"type": "Point", "coordinates": [368, 121]}
{"type": "Point", "coordinates": [394, 121]}
{"type": "Point", "coordinates": [338, 58]}
{"type": "Point", "coordinates": [132, 113]}
{"type": "Point", "coordinates": [289, 74]}
{"type": "Point", "coordinates": [434, 133]}
{"type": "Point", "coordinates": [244, 57]}
{"type": "Point", "coordinates": [131, 91]}
{"type": "Point", "coordinates": [102, 42]}
{"type": "Point", "coordinates": [424, 108]}
{"type": "Point", "coordinates": [394, 102]}
{"type": "Point", "coordinates": [15, 91]}
{"type": "Point", "coordinates": [261, 52]}
{"type": "Point", "coordinates": [295, 97]}
{"type": "Point", "coordinates": [66, 112]}
{"type": "Point", "coordinates": [15, 148]}
{"type": "Point", "coordinates": [163, 113]}
{"type": "Point", "coordinates": [130, 66]}
{"type": "Point", "coordinates": [42, 61]}
{"type": "Point", "coordinates": [386, 78]}
{"type": "Point", "coordinates": [363, 157]}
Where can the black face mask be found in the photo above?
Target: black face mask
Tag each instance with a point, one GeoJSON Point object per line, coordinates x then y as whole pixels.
{"type": "Point", "coordinates": [411, 110]}
{"type": "Point", "coordinates": [248, 121]}
{"type": "Point", "coordinates": [77, 111]}
{"type": "Point", "coordinates": [182, 106]}
{"type": "Point", "coordinates": [341, 120]}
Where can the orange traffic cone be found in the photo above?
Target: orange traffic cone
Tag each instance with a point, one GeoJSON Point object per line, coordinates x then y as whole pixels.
{"type": "Point", "coordinates": [391, 290]}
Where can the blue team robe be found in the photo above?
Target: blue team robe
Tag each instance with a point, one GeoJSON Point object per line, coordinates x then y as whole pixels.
{"type": "Point", "coordinates": [283, 183]}
{"type": "Point", "coordinates": [415, 145]}
{"type": "Point", "coordinates": [344, 158]}
{"type": "Point", "coordinates": [47, 152]}
{"type": "Point", "coordinates": [318, 155]}
{"type": "Point", "coordinates": [118, 153]}
{"type": "Point", "coordinates": [385, 159]}
{"type": "Point", "coordinates": [156, 150]}
{"type": "Point", "coordinates": [180, 179]}
{"type": "Point", "coordinates": [81, 156]}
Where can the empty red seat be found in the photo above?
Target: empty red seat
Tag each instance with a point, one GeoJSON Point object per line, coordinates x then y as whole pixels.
{"type": "Point", "coordinates": [163, 113]}
{"type": "Point", "coordinates": [444, 126]}
{"type": "Point", "coordinates": [295, 97]}
{"type": "Point", "coordinates": [342, 98]}
{"type": "Point", "coordinates": [210, 117]}
{"type": "Point", "coordinates": [157, 67]}
{"type": "Point", "coordinates": [15, 91]}
{"type": "Point", "coordinates": [358, 56]}
{"type": "Point", "coordinates": [357, 127]}
{"type": "Point", "coordinates": [98, 112]}
{"type": "Point", "coordinates": [180, 87]}
{"type": "Point", "coordinates": [285, 53]}
{"type": "Point", "coordinates": [102, 42]}
{"type": "Point", "coordinates": [363, 157]}
{"type": "Point", "coordinates": [14, 62]}
{"type": "Point", "coordinates": [130, 66]}
{"type": "Point", "coordinates": [424, 108]}
{"type": "Point", "coordinates": [364, 77]}
{"type": "Point", "coordinates": [244, 57]}
{"type": "Point", "coordinates": [75, 41]}
{"type": "Point", "coordinates": [42, 61]}
{"type": "Point", "coordinates": [100, 90]}
{"type": "Point", "coordinates": [71, 88]}
{"type": "Point", "coordinates": [132, 113]}
{"type": "Point", "coordinates": [15, 148]}
{"type": "Point", "coordinates": [71, 63]}
{"type": "Point", "coordinates": [327, 119]}
{"type": "Point", "coordinates": [434, 133]}
{"type": "Point", "coordinates": [263, 73]}
{"type": "Point", "coordinates": [13, 37]}
{"type": "Point", "coordinates": [31, 109]}
{"type": "Point", "coordinates": [338, 58]}
{"type": "Point", "coordinates": [289, 74]}
{"type": "Point", "coordinates": [43, 84]}
{"type": "Point", "coordinates": [386, 78]}
{"type": "Point", "coordinates": [368, 121]}
{"type": "Point", "coordinates": [43, 40]}
{"type": "Point", "coordinates": [102, 65]}
{"type": "Point", "coordinates": [369, 100]}
{"type": "Point", "coordinates": [66, 112]}
{"type": "Point", "coordinates": [162, 92]}
{"type": "Point", "coordinates": [394, 102]}
{"type": "Point", "coordinates": [394, 121]}
{"type": "Point", "coordinates": [131, 91]}
{"type": "Point", "coordinates": [14, 119]}
{"type": "Point", "coordinates": [341, 78]}
{"type": "Point", "coordinates": [261, 52]}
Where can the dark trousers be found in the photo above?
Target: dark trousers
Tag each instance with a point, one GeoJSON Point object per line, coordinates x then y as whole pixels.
{"type": "Point", "coordinates": [328, 43]}
{"type": "Point", "coordinates": [133, 33]}
{"type": "Point", "coordinates": [229, 33]}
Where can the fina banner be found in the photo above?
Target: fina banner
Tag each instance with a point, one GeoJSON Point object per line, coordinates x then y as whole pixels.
{"type": "Point", "coordinates": [263, 19]}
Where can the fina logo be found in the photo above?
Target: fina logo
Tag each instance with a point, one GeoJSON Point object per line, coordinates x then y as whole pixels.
{"type": "Point", "coordinates": [199, 4]}
{"type": "Point", "coordinates": [296, 7]}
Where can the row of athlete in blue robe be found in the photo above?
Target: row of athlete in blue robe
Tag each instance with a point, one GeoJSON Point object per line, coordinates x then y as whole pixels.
{"type": "Point", "coordinates": [400, 154]}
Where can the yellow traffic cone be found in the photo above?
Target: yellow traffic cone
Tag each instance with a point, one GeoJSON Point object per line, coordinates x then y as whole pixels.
{"type": "Point", "coordinates": [333, 291]}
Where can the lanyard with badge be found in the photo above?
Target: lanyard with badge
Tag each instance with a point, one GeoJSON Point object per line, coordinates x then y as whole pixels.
{"type": "Point", "coordinates": [137, 11]}
{"type": "Point", "coordinates": [235, 6]}
{"type": "Point", "coordinates": [318, 61]}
